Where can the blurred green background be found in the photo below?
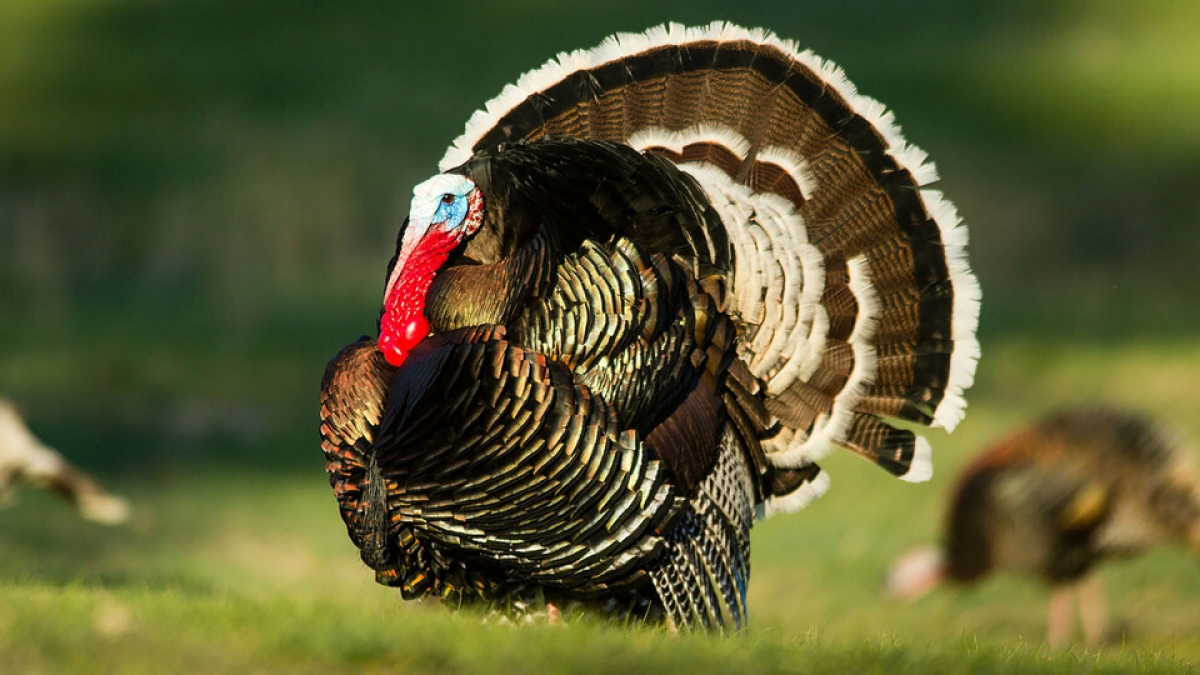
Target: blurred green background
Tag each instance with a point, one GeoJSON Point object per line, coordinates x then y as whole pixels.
{"type": "Point", "coordinates": [198, 200]}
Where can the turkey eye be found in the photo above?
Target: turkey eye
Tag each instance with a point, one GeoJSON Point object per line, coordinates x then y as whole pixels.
{"type": "Point", "coordinates": [447, 198]}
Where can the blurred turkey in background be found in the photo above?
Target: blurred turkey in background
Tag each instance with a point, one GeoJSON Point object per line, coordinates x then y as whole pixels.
{"type": "Point", "coordinates": [1054, 499]}
{"type": "Point", "coordinates": [26, 460]}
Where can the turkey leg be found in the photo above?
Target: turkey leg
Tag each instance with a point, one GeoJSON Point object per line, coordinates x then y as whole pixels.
{"type": "Point", "coordinates": [1058, 616]}
{"type": "Point", "coordinates": [1092, 611]}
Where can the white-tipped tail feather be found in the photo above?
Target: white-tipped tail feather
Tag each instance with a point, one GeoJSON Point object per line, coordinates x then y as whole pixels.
{"type": "Point", "coordinates": [796, 500]}
{"type": "Point", "coordinates": [921, 468]}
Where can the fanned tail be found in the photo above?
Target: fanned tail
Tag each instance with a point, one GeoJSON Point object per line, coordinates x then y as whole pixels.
{"type": "Point", "coordinates": [855, 302]}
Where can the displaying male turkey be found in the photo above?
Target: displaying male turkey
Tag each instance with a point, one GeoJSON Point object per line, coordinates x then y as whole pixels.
{"type": "Point", "coordinates": [1054, 499]}
{"type": "Point", "coordinates": [656, 281]}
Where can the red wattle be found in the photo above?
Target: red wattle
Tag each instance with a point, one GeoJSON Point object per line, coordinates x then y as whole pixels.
{"type": "Point", "coordinates": [411, 331]}
{"type": "Point", "coordinates": [391, 354]}
{"type": "Point", "coordinates": [401, 337]}
{"type": "Point", "coordinates": [404, 324]}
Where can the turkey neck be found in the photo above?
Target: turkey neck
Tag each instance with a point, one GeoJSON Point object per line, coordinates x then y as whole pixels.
{"type": "Point", "coordinates": [403, 325]}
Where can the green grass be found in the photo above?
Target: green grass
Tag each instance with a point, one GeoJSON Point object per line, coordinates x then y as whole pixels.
{"type": "Point", "coordinates": [243, 566]}
{"type": "Point", "coordinates": [156, 631]}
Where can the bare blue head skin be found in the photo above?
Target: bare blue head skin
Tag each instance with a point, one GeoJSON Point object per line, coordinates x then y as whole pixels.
{"type": "Point", "coordinates": [441, 200]}
{"type": "Point", "coordinates": [439, 204]}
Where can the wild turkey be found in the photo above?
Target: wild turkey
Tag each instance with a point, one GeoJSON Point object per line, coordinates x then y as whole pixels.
{"type": "Point", "coordinates": [1054, 499]}
{"type": "Point", "coordinates": [23, 458]}
{"type": "Point", "coordinates": [657, 280]}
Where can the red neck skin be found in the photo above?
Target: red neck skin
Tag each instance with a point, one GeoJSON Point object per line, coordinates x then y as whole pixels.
{"type": "Point", "coordinates": [404, 325]}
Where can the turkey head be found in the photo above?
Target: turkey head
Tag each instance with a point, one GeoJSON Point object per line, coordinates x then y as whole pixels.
{"type": "Point", "coordinates": [445, 211]}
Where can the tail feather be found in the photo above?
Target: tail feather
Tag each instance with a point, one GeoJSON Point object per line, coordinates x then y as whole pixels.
{"type": "Point", "coordinates": [900, 452]}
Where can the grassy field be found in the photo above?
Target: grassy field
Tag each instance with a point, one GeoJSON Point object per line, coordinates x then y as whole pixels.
{"type": "Point", "coordinates": [248, 569]}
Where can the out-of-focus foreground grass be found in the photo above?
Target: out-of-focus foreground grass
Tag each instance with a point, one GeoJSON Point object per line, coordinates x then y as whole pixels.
{"type": "Point", "coordinates": [197, 202]}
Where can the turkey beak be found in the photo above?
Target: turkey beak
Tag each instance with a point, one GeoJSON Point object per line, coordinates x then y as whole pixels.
{"type": "Point", "coordinates": [414, 231]}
